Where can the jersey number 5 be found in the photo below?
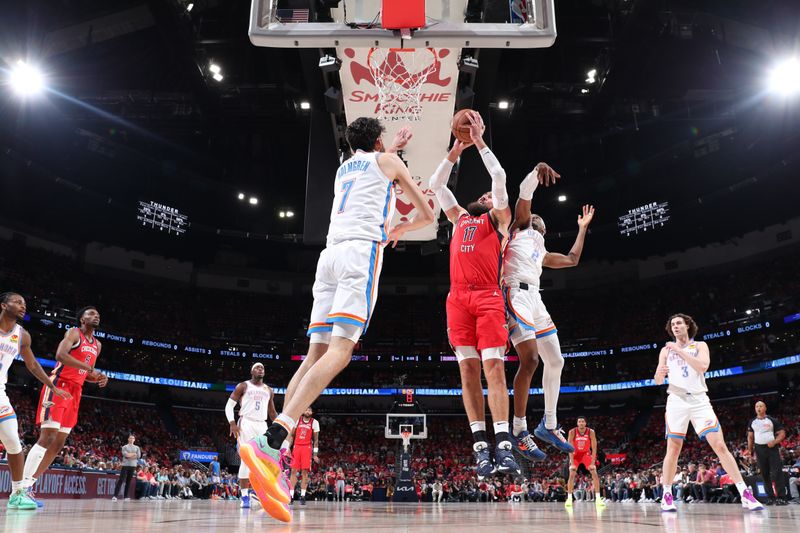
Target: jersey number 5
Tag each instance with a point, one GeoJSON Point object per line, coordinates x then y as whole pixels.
{"type": "Point", "coordinates": [347, 186]}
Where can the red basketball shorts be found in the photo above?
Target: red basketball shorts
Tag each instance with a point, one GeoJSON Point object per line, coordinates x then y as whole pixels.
{"type": "Point", "coordinates": [57, 412]}
{"type": "Point", "coordinates": [301, 458]}
{"type": "Point", "coordinates": [584, 459]}
{"type": "Point", "coordinates": [476, 317]}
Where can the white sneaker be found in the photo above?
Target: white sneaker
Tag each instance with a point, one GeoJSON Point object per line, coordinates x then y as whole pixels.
{"type": "Point", "coordinates": [114, 499]}
{"type": "Point", "coordinates": [749, 502]}
{"type": "Point", "coordinates": [668, 503]}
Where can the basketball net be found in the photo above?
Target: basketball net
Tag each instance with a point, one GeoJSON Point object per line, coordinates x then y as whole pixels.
{"type": "Point", "coordinates": [406, 435]}
{"type": "Point", "coordinates": [399, 74]}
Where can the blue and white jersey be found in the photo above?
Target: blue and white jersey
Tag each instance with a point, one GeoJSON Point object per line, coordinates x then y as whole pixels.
{"type": "Point", "coordinates": [9, 349]}
{"type": "Point", "coordinates": [523, 258]}
{"type": "Point", "coordinates": [364, 201]}
{"type": "Point", "coordinates": [682, 377]}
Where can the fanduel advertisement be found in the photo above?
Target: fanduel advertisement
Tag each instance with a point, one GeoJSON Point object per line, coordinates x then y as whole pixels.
{"type": "Point", "coordinates": [431, 127]}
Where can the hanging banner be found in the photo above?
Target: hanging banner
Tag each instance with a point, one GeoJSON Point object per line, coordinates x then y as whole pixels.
{"type": "Point", "coordinates": [616, 458]}
{"type": "Point", "coordinates": [430, 124]}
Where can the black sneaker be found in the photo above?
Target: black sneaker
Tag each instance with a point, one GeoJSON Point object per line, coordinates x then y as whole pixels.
{"type": "Point", "coordinates": [504, 459]}
{"type": "Point", "coordinates": [302, 500]}
{"type": "Point", "coordinates": [780, 501]}
{"type": "Point", "coordinates": [770, 501]}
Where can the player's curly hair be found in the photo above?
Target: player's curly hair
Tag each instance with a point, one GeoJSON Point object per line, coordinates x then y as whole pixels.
{"type": "Point", "coordinates": [6, 296]}
{"type": "Point", "coordinates": [689, 322]}
{"type": "Point", "coordinates": [363, 132]}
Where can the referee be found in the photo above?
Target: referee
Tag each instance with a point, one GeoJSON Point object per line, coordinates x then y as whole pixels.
{"type": "Point", "coordinates": [764, 435]}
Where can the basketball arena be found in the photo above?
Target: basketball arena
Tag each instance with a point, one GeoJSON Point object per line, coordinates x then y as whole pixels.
{"type": "Point", "coordinates": [400, 265]}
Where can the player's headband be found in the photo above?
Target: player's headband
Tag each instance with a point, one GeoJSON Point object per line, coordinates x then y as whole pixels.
{"type": "Point", "coordinates": [255, 365]}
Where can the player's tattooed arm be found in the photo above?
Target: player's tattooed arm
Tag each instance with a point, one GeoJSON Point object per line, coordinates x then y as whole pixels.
{"type": "Point", "coordinates": [699, 363]}
{"type": "Point", "coordinates": [662, 370]}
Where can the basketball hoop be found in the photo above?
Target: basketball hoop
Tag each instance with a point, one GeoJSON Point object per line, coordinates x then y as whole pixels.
{"type": "Point", "coordinates": [406, 436]}
{"type": "Point", "coordinates": [399, 74]}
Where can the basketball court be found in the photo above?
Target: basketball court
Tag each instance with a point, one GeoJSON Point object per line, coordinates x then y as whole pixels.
{"type": "Point", "coordinates": [158, 516]}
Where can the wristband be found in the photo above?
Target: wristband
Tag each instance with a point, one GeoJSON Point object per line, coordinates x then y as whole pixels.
{"type": "Point", "coordinates": [316, 450]}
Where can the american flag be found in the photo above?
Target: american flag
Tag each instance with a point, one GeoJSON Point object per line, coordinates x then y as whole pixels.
{"type": "Point", "coordinates": [292, 15]}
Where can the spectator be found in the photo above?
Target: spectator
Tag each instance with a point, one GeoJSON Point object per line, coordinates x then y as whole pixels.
{"type": "Point", "coordinates": [436, 493]}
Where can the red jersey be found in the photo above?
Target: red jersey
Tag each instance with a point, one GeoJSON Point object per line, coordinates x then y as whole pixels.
{"type": "Point", "coordinates": [583, 442]}
{"type": "Point", "coordinates": [304, 431]}
{"type": "Point", "coordinates": [85, 351]}
{"type": "Point", "coordinates": [476, 252]}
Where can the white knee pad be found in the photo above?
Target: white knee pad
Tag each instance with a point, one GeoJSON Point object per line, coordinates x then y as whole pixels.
{"type": "Point", "coordinates": [9, 436]}
{"type": "Point", "coordinates": [466, 352]}
{"type": "Point", "coordinates": [498, 352]}
{"type": "Point", "coordinates": [347, 331]}
{"type": "Point", "coordinates": [322, 337]}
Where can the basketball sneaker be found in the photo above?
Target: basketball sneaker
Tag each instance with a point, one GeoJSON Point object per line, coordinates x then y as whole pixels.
{"type": "Point", "coordinates": [484, 461]}
{"type": "Point", "coordinates": [554, 437]}
{"type": "Point", "coordinates": [668, 503]}
{"type": "Point", "coordinates": [20, 500]}
{"type": "Point", "coordinates": [524, 444]}
{"type": "Point", "coordinates": [505, 462]}
{"type": "Point", "coordinates": [599, 503]}
{"type": "Point", "coordinates": [302, 500]}
{"type": "Point", "coordinates": [265, 464]}
{"type": "Point", "coordinates": [749, 501]}
{"type": "Point", "coordinates": [30, 494]}
{"type": "Point", "coordinates": [245, 501]}
{"type": "Point", "coordinates": [568, 503]}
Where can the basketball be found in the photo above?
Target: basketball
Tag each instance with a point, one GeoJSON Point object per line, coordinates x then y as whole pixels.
{"type": "Point", "coordinates": [460, 126]}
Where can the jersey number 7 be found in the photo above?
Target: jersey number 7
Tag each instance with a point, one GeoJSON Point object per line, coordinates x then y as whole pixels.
{"type": "Point", "coordinates": [347, 186]}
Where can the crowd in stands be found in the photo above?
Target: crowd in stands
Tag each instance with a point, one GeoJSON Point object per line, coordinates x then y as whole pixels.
{"type": "Point", "coordinates": [356, 460]}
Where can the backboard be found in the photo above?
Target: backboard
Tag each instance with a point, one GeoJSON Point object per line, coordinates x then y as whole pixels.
{"type": "Point", "coordinates": [397, 422]}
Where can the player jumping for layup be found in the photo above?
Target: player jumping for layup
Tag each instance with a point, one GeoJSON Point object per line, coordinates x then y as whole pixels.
{"type": "Point", "coordinates": [306, 447]}
{"type": "Point", "coordinates": [16, 341]}
{"type": "Point", "coordinates": [584, 440]}
{"type": "Point", "coordinates": [346, 284]}
{"type": "Point", "coordinates": [531, 328]}
{"type": "Point", "coordinates": [685, 362]}
{"type": "Point", "coordinates": [76, 355]}
{"type": "Point", "coordinates": [475, 311]}
{"type": "Point", "coordinates": [257, 403]}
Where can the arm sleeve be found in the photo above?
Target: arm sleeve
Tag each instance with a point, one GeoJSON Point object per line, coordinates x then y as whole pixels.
{"type": "Point", "coordinates": [229, 409]}
{"type": "Point", "coordinates": [499, 194]}
{"type": "Point", "coordinates": [315, 427]}
{"type": "Point", "coordinates": [529, 184]}
{"type": "Point", "coordinates": [438, 184]}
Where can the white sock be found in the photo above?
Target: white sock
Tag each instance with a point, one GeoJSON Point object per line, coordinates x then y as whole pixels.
{"type": "Point", "coordinates": [500, 427]}
{"type": "Point", "coordinates": [286, 421]}
{"type": "Point", "coordinates": [32, 462]}
{"type": "Point", "coordinates": [550, 352]}
{"type": "Point", "coordinates": [667, 489]}
{"type": "Point", "coordinates": [286, 445]}
{"type": "Point", "coordinates": [479, 425]}
{"type": "Point", "coordinates": [245, 492]}
{"type": "Point", "coordinates": [302, 493]}
{"type": "Point", "coordinates": [520, 425]}
{"type": "Point", "coordinates": [741, 487]}
{"type": "Point", "coordinates": [15, 486]}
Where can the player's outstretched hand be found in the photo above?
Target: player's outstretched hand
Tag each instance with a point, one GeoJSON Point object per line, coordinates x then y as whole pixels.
{"type": "Point", "coordinates": [61, 393]}
{"type": "Point", "coordinates": [586, 218]}
{"type": "Point", "coordinates": [401, 139]}
{"type": "Point", "coordinates": [234, 430]}
{"type": "Point", "coordinates": [476, 127]}
{"type": "Point", "coordinates": [396, 233]}
{"type": "Point", "coordinates": [547, 176]}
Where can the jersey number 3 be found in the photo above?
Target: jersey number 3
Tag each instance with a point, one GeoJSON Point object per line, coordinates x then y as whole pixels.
{"type": "Point", "coordinates": [347, 186]}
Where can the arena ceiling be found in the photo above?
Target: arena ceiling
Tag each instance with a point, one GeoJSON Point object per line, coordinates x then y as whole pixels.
{"type": "Point", "coordinates": [679, 113]}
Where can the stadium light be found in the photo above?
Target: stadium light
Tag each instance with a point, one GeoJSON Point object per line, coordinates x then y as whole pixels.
{"type": "Point", "coordinates": [282, 214]}
{"type": "Point", "coordinates": [305, 105]}
{"type": "Point", "coordinates": [784, 79]}
{"type": "Point", "coordinates": [26, 80]}
{"type": "Point", "coordinates": [240, 196]}
{"type": "Point", "coordinates": [214, 68]}
{"type": "Point", "coordinates": [289, 214]}
{"type": "Point", "coordinates": [189, 7]}
{"type": "Point", "coordinates": [562, 198]}
{"type": "Point", "coordinates": [590, 75]}
{"type": "Point", "coordinates": [253, 200]}
{"type": "Point", "coordinates": [502, 104]}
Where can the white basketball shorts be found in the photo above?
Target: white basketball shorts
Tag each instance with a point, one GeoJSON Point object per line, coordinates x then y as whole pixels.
{"type": "Point", "coordinates": [685, 408]}
{"type": "Point", "coordinates": [527, 316]}
{"type": "Point", "coordinates": [345, 289]}
{"type": "Point", "coordinates": [250, 429]}
{"type": "Point", "coordinates": [9, 427]}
